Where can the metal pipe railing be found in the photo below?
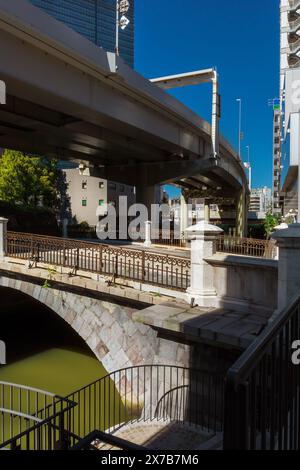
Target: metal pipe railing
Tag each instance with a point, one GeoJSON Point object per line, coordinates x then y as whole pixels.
{"type": "Point", "coordinates": [262, 391]}
{"type": "Point", "coordinates": [149, 393]}
{"type": "Point", "coordinates": [26, 410]}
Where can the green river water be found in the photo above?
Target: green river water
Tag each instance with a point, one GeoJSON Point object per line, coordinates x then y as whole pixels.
{"type": "Point", "coordinates": [42, 350]}
{"type": "Point", "coordinates": [45, 353]}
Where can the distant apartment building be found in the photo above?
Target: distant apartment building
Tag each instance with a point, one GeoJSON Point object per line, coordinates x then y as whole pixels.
{"type": "Point", "coordinates": [287, 155]}
{"type": "Point", "coordinates": [90, 195]}
{"type": "Point", "coordinates": [260, 201]}
{"type": "Point", "coordinates": [95, 20]}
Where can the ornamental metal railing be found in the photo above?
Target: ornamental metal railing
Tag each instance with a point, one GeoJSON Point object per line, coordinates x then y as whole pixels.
{"type": "Point", "coordinates": [32, 419]}
{"type": "Point", "coordinates": [172, 272]}
{"type": "Point", "coordinates": [149, 393]}
{"type": "Point", "coordinates": [262, 394]}
{"type": "Point", "coordinates": [247, 247]}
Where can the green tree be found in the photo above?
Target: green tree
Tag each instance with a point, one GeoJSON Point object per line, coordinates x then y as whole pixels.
{"type": "Point", "coordinates": [271, 221]}
{"type": "Point", "coordinates": [28, 180]}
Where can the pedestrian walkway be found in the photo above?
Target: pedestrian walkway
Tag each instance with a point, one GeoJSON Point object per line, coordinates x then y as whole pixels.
{"type": "Point", "coordinates": [163, 436]}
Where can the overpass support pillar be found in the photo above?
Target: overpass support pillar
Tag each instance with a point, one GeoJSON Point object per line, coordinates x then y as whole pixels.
{"type": "Point", "coordinates": [202, 291]}
{"type": "Point", "coordinates": [241, 213]}
{"type": "Point", "coordinates": [147, 195]}
{"type": "Point", "coordinates": [3, 238]}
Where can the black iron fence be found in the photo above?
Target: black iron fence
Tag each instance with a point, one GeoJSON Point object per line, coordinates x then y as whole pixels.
{"type": "Point", "coordinates": [143, 394]}
{"type": "Point", "coordinates": [31, 419]}
{"type": "Point", "coordinates": [172, 272]}
{"type": "Point", "coordinates": [262, 396]}
{"type": "Point", "coordinates": [149, 393]}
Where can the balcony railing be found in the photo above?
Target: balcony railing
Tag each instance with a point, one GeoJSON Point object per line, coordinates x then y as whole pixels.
{"type": "Point", "coordinates": [172, 272]}
{"type": "Point", "coordinates": [262, 396]}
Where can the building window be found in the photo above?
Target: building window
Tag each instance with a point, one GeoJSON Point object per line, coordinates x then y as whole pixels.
{"type": "Point", "coordinates": [84, 203]}
{"type": "Point", "coordinates": [101, 185]}
{"type": "Point", "coordinates": [112, 186]}
{"type": "Point", "coordinates": [122, 189]}
{"type": "Point", "coordinates": [84, 184]}
{"type": "Point", "coordinates": [101, 202]}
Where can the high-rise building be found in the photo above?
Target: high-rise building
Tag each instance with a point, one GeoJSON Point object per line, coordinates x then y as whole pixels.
{"type": "Point", "coordinates": [95, 20]}
{"type": "Point", "coordinates": [276, 156]}
{"type": "Point", "coordinates": [287, 159]}
{"type": "Point", "coordinates": [260, 200]}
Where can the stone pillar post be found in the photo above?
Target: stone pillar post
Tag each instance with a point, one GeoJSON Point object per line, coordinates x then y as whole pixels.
{"type": "Point", "coordinates": [288, 242]}
{"type": "Point", "coordinates": [184, 215]}
{"type": "Point", "coordinates": [147, 241]}
{"type": "Point", "coordinates": [207, 211]}
{"type": "Point", "coordinates": [203, 245]}
{"type": "Point", "coordinates": [3, 238]}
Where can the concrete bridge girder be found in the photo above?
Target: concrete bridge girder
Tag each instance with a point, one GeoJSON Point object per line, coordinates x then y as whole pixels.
{"type": "Point", "coordinates": [103, 118]}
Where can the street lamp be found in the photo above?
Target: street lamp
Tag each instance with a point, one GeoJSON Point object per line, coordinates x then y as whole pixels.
{"type": "Point", "coordinates": [239, 100]}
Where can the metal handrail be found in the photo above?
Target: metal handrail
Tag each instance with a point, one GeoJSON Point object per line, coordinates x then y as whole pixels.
{"type": "Point", "coordinates": [21, 404]}
{"type": "Point", "coordinates": [132, 395]}
{"type": "Point", "coordinates": [50, 421]}
{"type": "Point", "coordinates": [32, 389]}
{"type": "Point", "coordinates": [20, 415]}
{"type": "Point", "coordinates": [262, 389]}
{"type": "Point", "coordinates": [240, 371]}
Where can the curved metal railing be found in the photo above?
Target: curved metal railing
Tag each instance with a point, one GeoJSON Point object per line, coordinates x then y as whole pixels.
{"type": "Point", "coordinates": [26, 411]}
{"type": "Point", "coordinates": [148, 393]}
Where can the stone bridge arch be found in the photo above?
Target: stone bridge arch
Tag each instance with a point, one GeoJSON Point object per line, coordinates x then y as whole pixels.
{"type": "Point", "coordinates": [107, 328]}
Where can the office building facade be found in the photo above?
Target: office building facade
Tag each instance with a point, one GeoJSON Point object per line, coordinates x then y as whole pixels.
{"type": "Point", "coordinates": [290, 105]}
{"type": "Point", "coordinates": [89, 196]}
{"type": "Point", "coordinates": [95, 20]}
{"type": "Point", "coordinates": [260, 200]}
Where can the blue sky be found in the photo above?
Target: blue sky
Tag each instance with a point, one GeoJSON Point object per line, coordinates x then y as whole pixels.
{"type": "Point", "coordinates": [241, 39]}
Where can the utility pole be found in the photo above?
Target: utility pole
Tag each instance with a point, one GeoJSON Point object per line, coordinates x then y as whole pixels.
{"type": "Point", "coordinates": [122, 7]}
{"type": "Point", "coordinates": [239, 100]}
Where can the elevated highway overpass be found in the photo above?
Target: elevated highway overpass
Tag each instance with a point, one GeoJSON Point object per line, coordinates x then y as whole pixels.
{"type": "Point", "coordinates": [69, 99]}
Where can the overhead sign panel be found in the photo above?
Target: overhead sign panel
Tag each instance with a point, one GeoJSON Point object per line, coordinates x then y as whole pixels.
{"type": "Point", "coordinates": [124, 6]}
{"type": "Point", "coordinates": [124, 22]}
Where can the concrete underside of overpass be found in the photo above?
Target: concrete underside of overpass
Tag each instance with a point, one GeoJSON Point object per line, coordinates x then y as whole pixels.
{"type": "Point", "coordinates": [65, 100]}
